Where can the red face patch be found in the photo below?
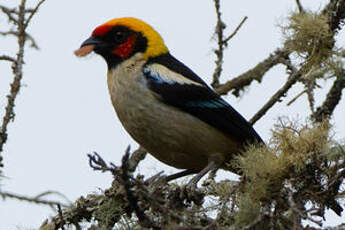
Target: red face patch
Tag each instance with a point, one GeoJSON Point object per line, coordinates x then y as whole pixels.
{"type": "Point", "coordinates": [126, 48]}
{"type": "Point", "coordinates": [101, 30]}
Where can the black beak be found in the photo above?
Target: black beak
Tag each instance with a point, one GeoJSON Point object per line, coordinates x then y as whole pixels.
{"type": "Point", "coordinates": [91, 41]}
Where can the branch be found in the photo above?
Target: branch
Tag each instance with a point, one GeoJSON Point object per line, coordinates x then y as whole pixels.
{"type": "Point", "coordinates": [235, 31]}
{"type": "Point", "coordinates": [300, 7]}
{"type": "Point", "coordinates": [219, 52]}
{"type": "Point", "coordinates": [27, 37]}
{"type": "Point", "coordinates": [9, 12]}
{"type": "Point", "coordinates": [17, 67]}
{"type": "Point", "coordinates": [276, 97]}
{"type": "Point", "coordinates": [257, 73]}
{"type": "Point", "coordinates": [35, 199]}
{"type": "Point", "coordinates": [335, 10]}
{"type": "Point", "coordinates": [332, 99]}
{"type": "Point", "coordinates": [7, 58]}
{"type": "Point", "coordinates": [33, 12]}
{"type": "Point", "coordinates": [144, 220]}
{"type": "Point", "coordinates": [137, 156]}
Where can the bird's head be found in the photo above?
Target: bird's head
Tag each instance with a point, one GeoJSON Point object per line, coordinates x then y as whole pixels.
{"type": "Point", "coordinates": [121, 38]}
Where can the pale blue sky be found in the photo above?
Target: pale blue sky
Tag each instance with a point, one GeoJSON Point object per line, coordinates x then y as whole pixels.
{"type": "Point", "coordinates": [64, 110]}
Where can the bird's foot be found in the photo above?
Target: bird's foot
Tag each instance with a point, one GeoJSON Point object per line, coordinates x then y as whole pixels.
{"type": "Point", "coordinates": [190, 192]}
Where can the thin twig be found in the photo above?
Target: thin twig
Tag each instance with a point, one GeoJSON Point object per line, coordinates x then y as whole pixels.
{"type": "Point", "coordinates": [32, 13]}
{"type": "Point", "coordinates": [276, 97]}
{"type": "Point", "coordinates": [9, 12]}
{"type": "Point", "coordinates": [7, 58]}
{"type": "Point", "coordinates": [235, 31]}
{"type": "Point", "coordinates": [237, 84]}
{"type": "Point", "coordinates": [332, 99]}
{"type": "Point", "coordinates": [62, 222]}
{"type": "Point", "coordinates": [5, 195]}
{"type": "Point", "coordinates": [296, 97]}
{"type": "Point", "coordinates": [295, 209]}
{"type": "Point", "coordinates": [300, 7]}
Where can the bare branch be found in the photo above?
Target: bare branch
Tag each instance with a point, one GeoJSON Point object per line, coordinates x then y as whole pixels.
{"type": "Point", "coordinates": [35, 200]}
{"type": "Point", "coordinates": [300, 7]}
{"type": "Point", "coordinates": [9, 12]}
{"type": "Point", "coordinates": [7, 58]}
{"type": "Point", "coordinates": [235, 31]}
{"type": "Point", "coordinates": [296, 97]}
{"type": "Point", "coordinates": [27, 37]}
{"type": "Point", "coordinates": [257, 73]}
{"type": "Point", "coordinates": [33, 12]}
{"type": "Point", "coordinates": [276, 97]}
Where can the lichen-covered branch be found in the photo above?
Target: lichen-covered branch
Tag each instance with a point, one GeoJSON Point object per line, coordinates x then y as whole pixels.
{"type": "Point", "coordinates": [335, 10]}
{"type": "Point", "coordinates": [271, 197]}
{"type": "Point", "coordinates": [16, 16]}
{"type": "Point", "coordinates": [332, 99]}
{"type": "Point", "coordinates": [222, 42]}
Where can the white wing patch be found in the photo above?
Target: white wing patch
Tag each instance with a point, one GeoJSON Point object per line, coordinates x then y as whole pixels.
{"type": "Point", "coordinates": [163, 74]}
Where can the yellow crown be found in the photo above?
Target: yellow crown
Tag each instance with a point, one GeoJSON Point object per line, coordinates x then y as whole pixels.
{"type": "Point", "coordinates": [155, 43]}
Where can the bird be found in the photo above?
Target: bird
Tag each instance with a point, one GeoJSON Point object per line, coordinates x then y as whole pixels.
{"type": "Point", "coordinates": [163, 105]}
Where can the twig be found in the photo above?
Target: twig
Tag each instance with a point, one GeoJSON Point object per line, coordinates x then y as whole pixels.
{"type": "Point", "coordinates": [300, 7]}
{"type": "Point", "coordinates": [144, 220]}
{"type": "Point", "coordinates": [137, 156]}
{"type": "Point", "coordinates": [17, 71]}
{"type": "Point", "coordinates": [295, 209]}
{"type": "Point", "coordinates": [235, 31]}
{"type": "Point", "coordinates": [17, 68]}
{"type": "Point", "coordinates": [27, 36]}
{"type": "Point", "coordinates": [5, 195]}
{"type": "Point", "coordinates": [62, 222]}
{"type": "Point", "coordinates": [332, 99]}
{"type": "Point", "coordinates": [276, 97]}
{"type": "Point", "coordinates": [7, 58]}
{"type": "Point", "coordinates": [296, 97]}
{"type": "Point", "coordinates": [257, 73]}
{"type": "Point", "coordinates": [32, 13]}
{"type": "Point", "coordinates": [310, 93]}
{"type": "Point", "coordinates": [9, 13]}
{"type": "Point", "coordinates": [222, 43]}
{"type": "Point", "coordinates": [335, 10]}
{"type": "Point", "coordinates": [219, 51]}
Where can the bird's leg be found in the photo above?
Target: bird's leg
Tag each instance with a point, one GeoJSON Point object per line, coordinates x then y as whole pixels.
{"type": "Point", "coordinates": [189, 190]}
{"type": "Point", "coordinates": [212, 165]}
{"type": "Point", "coordinates": [158, 178]}
{"type": "Point", "coordinates": [180, 174]}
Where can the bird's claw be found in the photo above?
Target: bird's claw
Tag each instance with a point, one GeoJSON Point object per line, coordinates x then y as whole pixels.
{"type": "Point", "coordinates": [190, 192]}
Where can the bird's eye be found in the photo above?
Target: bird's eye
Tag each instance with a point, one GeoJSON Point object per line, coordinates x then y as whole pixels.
{"type": "Point", "coordinates": [119, 36]}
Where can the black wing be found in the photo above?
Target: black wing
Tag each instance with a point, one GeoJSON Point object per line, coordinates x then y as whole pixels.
{"type": "Point", "coordinates": [179, 86]}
